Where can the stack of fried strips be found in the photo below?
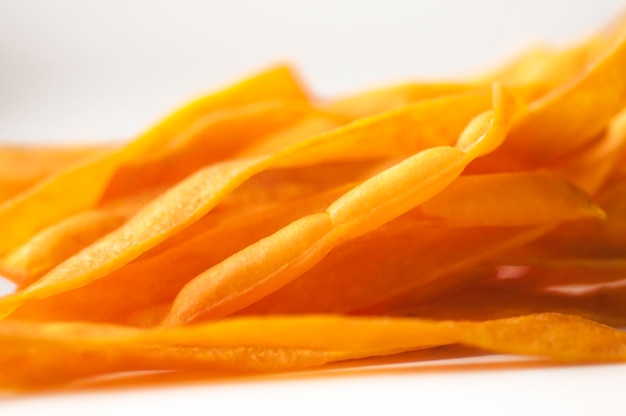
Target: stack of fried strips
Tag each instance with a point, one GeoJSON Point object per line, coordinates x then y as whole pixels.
{"type": "Point", "coordinates": [256, 229]}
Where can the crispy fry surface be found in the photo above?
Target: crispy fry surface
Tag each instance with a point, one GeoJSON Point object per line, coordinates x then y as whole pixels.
{"type": "Point", "coordinates": [259, 229]}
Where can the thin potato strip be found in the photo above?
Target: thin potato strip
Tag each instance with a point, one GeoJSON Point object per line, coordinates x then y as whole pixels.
{"type": "Point", "coordinates": [30, 163]}
{"type": "Point", "coordinates": [215, 137]}
{"type": "Point", "coordinates": [126, 194]}
{"type": "Point", "coordinates": [48, 364]}
{"type": "Point", "coordinates": [287, 186]}
{"type": "Point", "coordinates": [136, 184]}
{"type": "Point", "coordinates": [550, 336]}
{"type": "Point", "coordinates": [613, 199]}
{"type": "Point", "coordinates": [311, 126]}
{"type": "Point", "coordinates": [127, 206]}
{"type": "Point", "coordinates": [9, 187]}
{"type": "Point", "coordinates": [265, 266]}
{"type": "Point", "coordinates": [334, 337]}
{"type": "Point", "coordinates": [489, 213]}
{"type": "Point", "coordinates": [349, 279]}
{"type": "Point", "coordinates": [398, 250]}
{"type": "Point", "coordinates": [568, 117]}
{"type": "Point", "coordinates": [565, 243]}
{"type": "Point", "coordinates": [188, 201]}
{"type": "Point", "coordinates": [22, 167]}
{"type": "Point", "coordinates": [397, 133]}
{"type": "Point", "coordinates": [510, 199]}
{"type": "Point", "coordinates": [145, 180]}
{"type": "Point", "coordinates": [219, 134]}
{"type": "Point", "coordinates": [50, 247]}
{"type": "Point", "coordinates": [271, 263]}
{"type": "Point", "coordinates": [587, 238]}
{"type": "Point", "coordinates": [264, 204]}
{"type": "Point", "coordinates": [275, 83]}
{"type": "Point", "coordinates": [590, 168]}
{"type": "Point", "coordinates": [22, 216]}
{"type": "Point", "coordinates": [547, 335]}
{"type": "Point", "coordinates": [545, 68]}
{"type": "Point", "coordinates": [158, 275]}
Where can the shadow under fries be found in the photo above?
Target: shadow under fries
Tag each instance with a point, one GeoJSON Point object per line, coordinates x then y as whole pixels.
{"type": "Point", "coordinates": [441, 360]}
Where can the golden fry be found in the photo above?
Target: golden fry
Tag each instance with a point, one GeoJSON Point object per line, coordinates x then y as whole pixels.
{"type": "Point", "coordinates": [489, 212]}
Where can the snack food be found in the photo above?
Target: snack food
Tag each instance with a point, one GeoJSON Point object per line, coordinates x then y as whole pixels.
{"type": "Point", "coordinates": [258, 229]}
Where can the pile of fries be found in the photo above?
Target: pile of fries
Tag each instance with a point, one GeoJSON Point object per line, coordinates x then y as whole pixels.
{"type": "Point", "coordinates": [258, 229]}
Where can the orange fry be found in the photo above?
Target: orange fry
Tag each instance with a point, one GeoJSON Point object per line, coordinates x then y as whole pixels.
{"type": "Point", "coordinates": [30, 261]}
{"type": "Point", "coordinates": [589, 238]}
{"type": "Point", "coordinates": [22, 216]}
{"type": "Point", "coordinates": [290, 343]}
{"type": "Point", "coordinates": [21, 166]}
{"type": "Point", "coordinates": [215, 137]}
{"type": "Point", "coordinates": [271, 263]}
{"type": "Point", "coordinates": [568, 117]}
{"type": "Point", "coordinates": [136, 184]}
{"type": "Point", "coordinates": [510, 199]}
{"type": "Point", "coordinates": [188, 201]}
{"type": "Point", "coordinates": [542, 69]}
{"type": "Point", "coordinates": [592, 166]}
{"type": "Point", "coordinates": [256, 229]}
{"type": "Point", "coordinates": [349, 279]}
{"type": "Point", "coordinates": [133, 289]}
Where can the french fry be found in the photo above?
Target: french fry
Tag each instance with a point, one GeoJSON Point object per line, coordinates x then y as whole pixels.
{"type": "Point", "coordinates": [258, 229]}
{"type": "Point", "coordinates": [282, 344]}
{"type": "Point", "coordinates": [86, 180]}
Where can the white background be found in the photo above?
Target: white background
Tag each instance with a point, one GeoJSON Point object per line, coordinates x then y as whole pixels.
{"type": "Point", "coordinates": [87, 70]}
{"type": "Point", "coordinates": [75, 70]}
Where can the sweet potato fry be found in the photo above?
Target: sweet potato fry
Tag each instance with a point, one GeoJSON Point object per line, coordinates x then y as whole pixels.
{"type": "Point", "coordinates": [490, 213]}
{"type": "Point", "coordinates": [410, 252]}
{"type": "Point", "coordinates": [52, 365]}
{"type": "Point", "coordinates": [592, 166]}
{"type": "Point", "coordinates": [136, 184]}
{"type": "Point", "coordinates": [21, 217]}
{"type": "Point", "coordinates": [511, 199]}
{"type": "Point", "coordinates": [188, 201]}
{"type": "Point", "coordinates": [283, 343]}
{"type": "Point", "coordinates": [23, 166]}
{"type": "Point", "coordinates": [542, 68]}
{"type": "Point", "coordinates": [586, 238]}
{"type": "Point", "coordinates": [194, 250]}
{"type": "Point", "coordinates": [568, 117]}
{"type": "Point", "coordinates": [50, 247]}
{"type": "Point", "coordinates": [264, 267]}
{"type": "Point", "coordinates": [349, 279]}
{"type": "Point", "coordinates": [157, 276]}
{"type": "Point", "coordinates": [216, 137]}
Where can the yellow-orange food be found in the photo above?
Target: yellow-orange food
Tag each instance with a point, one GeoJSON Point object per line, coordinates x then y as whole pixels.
{"type": "Point", "coordinates": [259, 229]}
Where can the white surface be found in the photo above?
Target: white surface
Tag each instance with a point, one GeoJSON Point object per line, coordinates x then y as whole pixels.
{"type": "Point", "coordinates": [75, 69]}
{"type": "Point", "coordinates": [78, 70]}
{"type": "Point", "coordinates": [6, 286]}
{"type": "Point", "coordinates": [485, 385]}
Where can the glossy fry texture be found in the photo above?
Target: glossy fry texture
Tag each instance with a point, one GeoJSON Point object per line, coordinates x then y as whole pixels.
{"type": "Point", "coordinates": [261, 229]}
{"type": "Point", "coordinates": [282, 344]}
